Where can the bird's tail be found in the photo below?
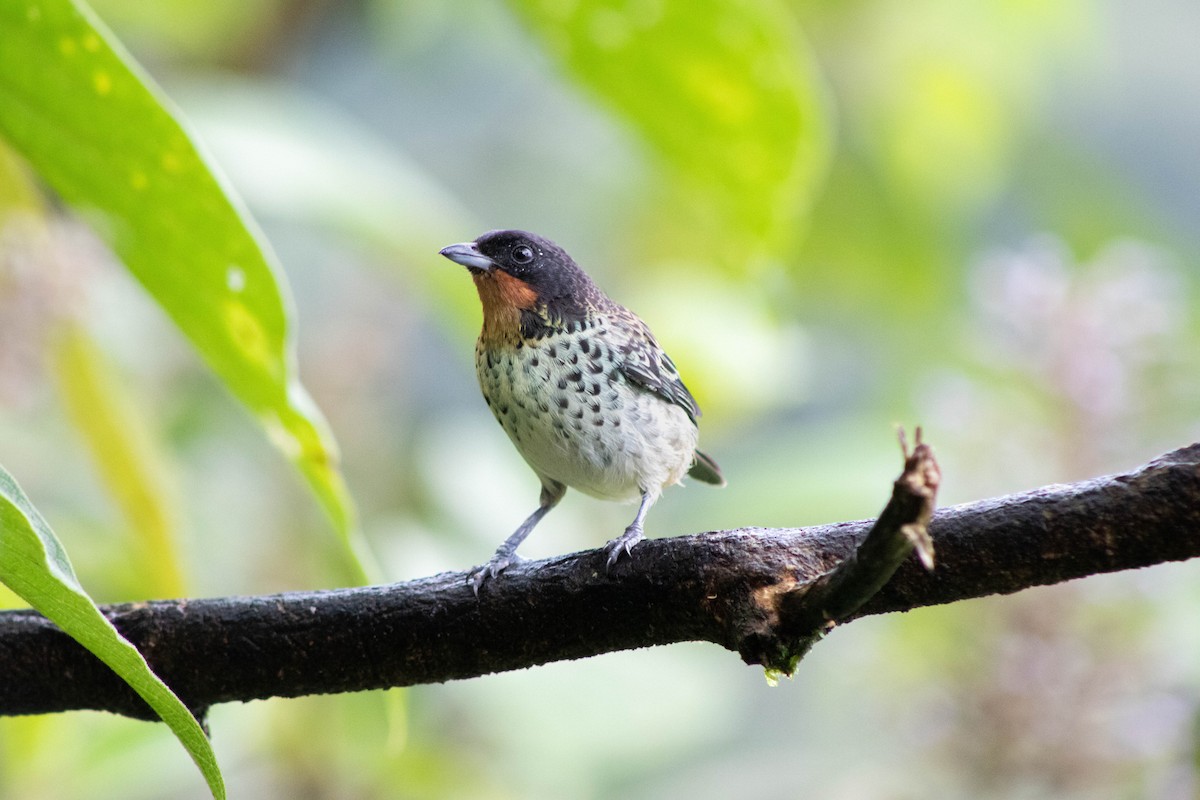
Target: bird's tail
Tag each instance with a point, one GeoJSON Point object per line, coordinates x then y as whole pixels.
{"type": "Point", "coordinates": [706, 470]}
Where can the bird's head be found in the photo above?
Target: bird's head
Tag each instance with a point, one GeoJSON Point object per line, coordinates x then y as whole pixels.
{"type": "Point", "coordinates": [524, 281]}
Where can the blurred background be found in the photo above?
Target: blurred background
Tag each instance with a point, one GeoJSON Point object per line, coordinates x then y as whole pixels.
{"type": "Point", "coordinates": [980, 217]}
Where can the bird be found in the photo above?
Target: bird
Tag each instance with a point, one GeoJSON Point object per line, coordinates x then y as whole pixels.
{"type": "Point", "coordinates": [580, 385]}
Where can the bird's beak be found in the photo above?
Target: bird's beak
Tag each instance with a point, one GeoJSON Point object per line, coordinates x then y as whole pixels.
{"type": "Point", "coordinates": [469, 256]}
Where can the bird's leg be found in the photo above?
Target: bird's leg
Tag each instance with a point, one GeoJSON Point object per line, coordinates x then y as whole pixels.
{"type": "Point", "coordinates": [506, 553]}
{"type": "Point", "coordinates": [632, 535]}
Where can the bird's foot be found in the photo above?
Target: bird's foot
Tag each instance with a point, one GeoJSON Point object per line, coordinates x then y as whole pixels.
{"type": "Point", "coordinates": [622, 544]}
{"type": "Point", "coordinates": [499, 562]}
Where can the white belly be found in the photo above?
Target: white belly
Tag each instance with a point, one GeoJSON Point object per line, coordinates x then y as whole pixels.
{"type": "Point", "coordinates": [584, 425]}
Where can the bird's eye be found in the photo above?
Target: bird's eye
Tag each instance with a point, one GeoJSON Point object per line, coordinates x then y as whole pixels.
{"type": "Point", "coordinates": [522, 254]}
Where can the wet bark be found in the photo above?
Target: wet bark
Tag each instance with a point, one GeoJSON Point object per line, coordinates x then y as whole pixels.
{"type": "Point", "coordinates": [767, 594]}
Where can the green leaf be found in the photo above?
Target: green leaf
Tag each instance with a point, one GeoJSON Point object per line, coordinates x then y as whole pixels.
{"type": "Point", "coordinates": [96, 128]}
{"type": "Point", "coordinates": [34, 565]}
{"type": "Point", "coordinates": [725, 91]}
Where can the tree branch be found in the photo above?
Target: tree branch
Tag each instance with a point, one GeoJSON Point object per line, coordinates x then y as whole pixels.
{"type": "Point", "coordinates": [743, 589]}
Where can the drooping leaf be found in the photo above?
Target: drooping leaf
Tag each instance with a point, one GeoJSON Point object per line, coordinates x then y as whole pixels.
{"type": "Point", "coordinates": [34, 565]}
{"type": "Point", "coordinates": [98, 130]}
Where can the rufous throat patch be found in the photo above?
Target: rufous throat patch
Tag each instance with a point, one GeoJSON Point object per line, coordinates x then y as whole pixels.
{"type": "Point", "coordinates": [503, 298]}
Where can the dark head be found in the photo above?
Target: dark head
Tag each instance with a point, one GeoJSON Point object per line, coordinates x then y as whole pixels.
{"type": "Point", "coordinates": [524, 279]}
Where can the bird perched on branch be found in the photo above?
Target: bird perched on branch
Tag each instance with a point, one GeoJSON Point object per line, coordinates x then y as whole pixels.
{"type": "Point", "coordinates": [578, 383]}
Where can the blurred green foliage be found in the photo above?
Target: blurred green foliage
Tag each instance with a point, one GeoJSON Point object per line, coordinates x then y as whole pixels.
{"type": "Point", "coordinates": [725, 92]}
{"type": "Point", "coordinates": [126, 455]}
{"type": "Point", "coordinates": [977, 217]}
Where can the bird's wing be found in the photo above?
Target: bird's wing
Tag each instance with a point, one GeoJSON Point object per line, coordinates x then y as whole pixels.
{"type": "Point", "coordinates": [644, 363]}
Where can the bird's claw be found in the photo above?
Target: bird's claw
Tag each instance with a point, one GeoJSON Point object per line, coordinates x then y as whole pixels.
{"type": "Point", "coordinates": [497, 564]}
{"type": "Point", "coordinates": [622, 544]}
